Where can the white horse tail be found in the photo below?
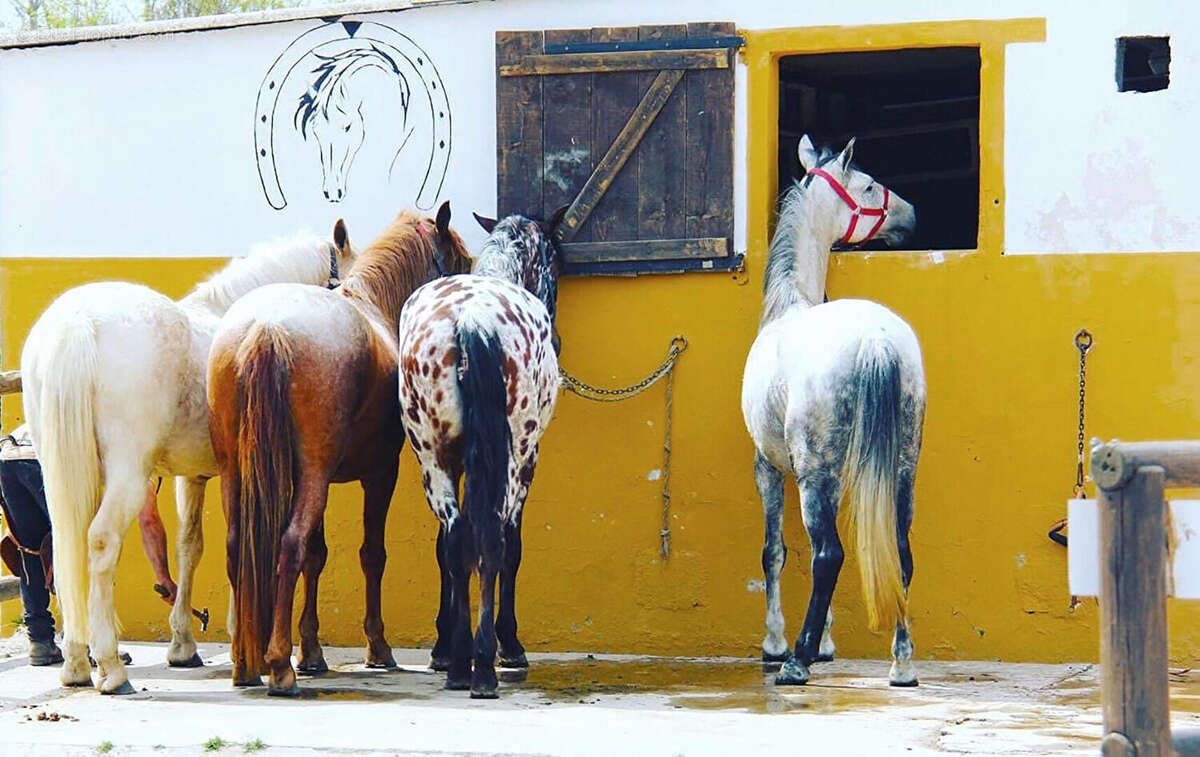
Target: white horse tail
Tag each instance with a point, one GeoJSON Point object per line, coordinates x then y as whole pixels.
{"type": "Point", "coordinates": [871, 465]}
{"type": "Point", "coordinates": [65, 434]}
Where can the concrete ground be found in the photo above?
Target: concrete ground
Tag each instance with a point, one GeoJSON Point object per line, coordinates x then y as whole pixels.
{"type": "Point", "coordinates": [567, 704]}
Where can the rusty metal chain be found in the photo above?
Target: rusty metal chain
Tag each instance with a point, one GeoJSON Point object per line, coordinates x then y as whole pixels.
{"type": "Point", "coordinates": [600, 394]}
{"type": "Point", "coordinates": [1083, 343]}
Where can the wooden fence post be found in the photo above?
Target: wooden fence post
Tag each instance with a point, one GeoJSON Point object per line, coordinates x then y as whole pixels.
{"type": "Point", "coordinates": [1133, 624]}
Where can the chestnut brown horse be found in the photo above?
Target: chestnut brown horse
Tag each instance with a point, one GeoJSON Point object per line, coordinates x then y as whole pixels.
{"type": "Point", "coordinates": [302, 393]}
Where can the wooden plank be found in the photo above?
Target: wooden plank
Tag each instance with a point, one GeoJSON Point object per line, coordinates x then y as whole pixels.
{"type": "Point", "coordinates": [598, 63]}
{"type": "Point", "coordinates": [518, 128]}
{"type": "Point", "coordinates": [568, 158]}
{"type": "Point", "coordinates": [1133, 610]}
{"type": "Point", "coordinates": [709, 182]}
{"type": "Point", "coordinates": [1115, 462]}
{"type": "Point", "coordinates": [662, 156]}
{"type": "Point", "coordinates": [10, 382]}
{"type": "Point", "coordinates": [615, 97]}
{"type": "Point", "coordinates": [645, 249]}
{"type": "Point", "coordinates": [622, 147]}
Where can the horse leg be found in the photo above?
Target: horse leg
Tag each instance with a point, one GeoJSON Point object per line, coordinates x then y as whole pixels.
{"type": "Point", "coordinates": [308, 509]}
{"type": "Point", "coordinates": [459, 559]}
{"type": "Point", "coordinates": [483, 680]}
{"type": "Point", "coordinates": [439, 659]}
{"type": "Point", "coordinates": [231, 498]}
{"type": "Point", "coordinates": [189, 500]}
{"type": "Point", "coordinates": [312, 657]}
{"type": "Point", "coordinates": [826, 649]}
{"type": "Point", "coordinates": [903, 673]}
{"type": "Point", "coordinates": [377, 496]}
{"type": "Point", "coordinates": [124, 495]}
{"type": "Point", "coordinates": [512, 652]}
{"type": "Point", "coordinates": [819, 499]}
{"type": "Point", "coordinates": [774, 556]}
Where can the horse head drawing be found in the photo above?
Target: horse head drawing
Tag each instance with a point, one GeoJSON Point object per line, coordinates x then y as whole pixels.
{"type": "Point", "coordinates": [329, 113]}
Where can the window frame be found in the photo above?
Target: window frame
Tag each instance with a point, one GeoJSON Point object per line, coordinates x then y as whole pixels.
{"type": "Point", "coordinates": [763, 51]}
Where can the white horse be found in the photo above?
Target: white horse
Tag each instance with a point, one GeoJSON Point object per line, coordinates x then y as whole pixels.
{"type": "Point", "coordinates": [114, 389]}
{"type": "Point", "coordinates": [834, 394]}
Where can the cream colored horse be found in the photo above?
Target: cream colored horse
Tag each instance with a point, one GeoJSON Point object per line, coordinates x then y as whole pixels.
{"type": "Point", "coordinates": [114, 393]}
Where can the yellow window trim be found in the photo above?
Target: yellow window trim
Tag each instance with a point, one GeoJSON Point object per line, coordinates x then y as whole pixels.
{"type": "Point", "coordinates": [765, 47]}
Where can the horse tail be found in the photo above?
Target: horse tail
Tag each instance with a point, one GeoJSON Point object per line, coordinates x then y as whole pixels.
{"type": "Point", "coordinates": [487, 438]}
{"type": "Point", "coordinates": [871, 465]}
{"type": "Point", "coordinates": [62, 369]}
{"type": "Point", "coordinates": [265, 459]}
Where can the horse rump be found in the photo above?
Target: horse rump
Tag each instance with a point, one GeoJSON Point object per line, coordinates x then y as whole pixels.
{"type": "Point", "coordinates": [871, 466]}
{"type": "Point", "coordinates": [265, 456]}
{"type": "Point", "coordinates": [487, 438]}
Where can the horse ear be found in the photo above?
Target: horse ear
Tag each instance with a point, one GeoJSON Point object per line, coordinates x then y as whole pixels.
{"type": "Point", "coordinates": [487, 223]}
{"type": "Point", "coordinates": [341, 237]}
{"type": "Point", "coordinates": [807, 153]}
{"type": "Point", "coordinates": [443, 219]}
{"type": "Point", "coordinates": [556, 220]}
{"type": "Point", "coordinates": [848, 154]}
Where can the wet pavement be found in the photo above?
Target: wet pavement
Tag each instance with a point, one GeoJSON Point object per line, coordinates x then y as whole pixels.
{"type": "Point", "coordinates": [567, 704]}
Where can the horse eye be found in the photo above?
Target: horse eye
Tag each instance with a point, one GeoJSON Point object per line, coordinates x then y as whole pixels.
{"type": "Point", "coordinates": [347, 128]}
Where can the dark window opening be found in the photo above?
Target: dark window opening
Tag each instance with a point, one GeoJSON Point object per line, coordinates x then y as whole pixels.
{"type": "Point", "coordinates": [915, 114]}
{"type": "Point", "coordinates": [1143, 63]}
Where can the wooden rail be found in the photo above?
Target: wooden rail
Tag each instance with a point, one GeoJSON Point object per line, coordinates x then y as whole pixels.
{"type": "Point", "coordinates": [10, 382]}
{"type": "Point", "coordinates": [10, 588]}
{"type": "Point", "coordinates": [1134, 689]}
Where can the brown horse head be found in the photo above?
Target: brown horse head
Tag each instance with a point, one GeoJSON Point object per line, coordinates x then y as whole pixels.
{"type": "Point", "coordinates": [411, 251]}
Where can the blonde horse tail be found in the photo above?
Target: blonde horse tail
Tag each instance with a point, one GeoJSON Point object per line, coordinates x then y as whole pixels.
{"type": "Point", "coordinates": [265, 457]}
{"type": "Point", "coordinates": [871, 466]}
{"type": "Point", "coordinates": [63, 423]}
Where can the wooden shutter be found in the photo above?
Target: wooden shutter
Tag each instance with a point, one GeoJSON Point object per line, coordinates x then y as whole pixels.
{"type": "Point", "coordinates": [633, 128]}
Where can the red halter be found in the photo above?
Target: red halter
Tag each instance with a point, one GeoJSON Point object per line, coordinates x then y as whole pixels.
{"type": "Point", "coordinates": [856, 211]}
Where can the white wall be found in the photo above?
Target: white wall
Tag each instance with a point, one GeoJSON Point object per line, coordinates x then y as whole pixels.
{"type": "Point", "coordinates": [146, 147]}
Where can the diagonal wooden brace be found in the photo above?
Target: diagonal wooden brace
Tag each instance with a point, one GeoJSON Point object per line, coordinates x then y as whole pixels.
{"type": "Point", "coordinates": [622, 147]}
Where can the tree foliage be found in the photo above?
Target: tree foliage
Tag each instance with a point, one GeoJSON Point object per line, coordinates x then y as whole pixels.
{"type": "Point", "coordinates": [57, 14]}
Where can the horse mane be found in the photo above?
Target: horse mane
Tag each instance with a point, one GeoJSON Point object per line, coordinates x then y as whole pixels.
{"type": "Point", "coordinates": [303, 257]}
{"type": "Point", "coordinates": [397, 262]}
{"type": "Point", "coordinates": [330, 71]}
{"type": "Point", "coordinates": [535, 267]}
{"type": "Point", "coordinates": [779, 281]}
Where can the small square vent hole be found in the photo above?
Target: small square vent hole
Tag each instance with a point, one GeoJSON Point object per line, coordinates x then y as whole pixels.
{"type": "Point", "coordinates": [1143, 63]}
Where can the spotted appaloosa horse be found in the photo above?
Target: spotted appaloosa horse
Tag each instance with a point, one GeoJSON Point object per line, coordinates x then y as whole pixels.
{"type": "Point", "coordinates": [478, 382]}
{"type": "Point", "coordinates": [834, 394]}
{"type": "Point", "coordinates": [114, 393]}
{"type": "Point", "coordinates": [302, 393]}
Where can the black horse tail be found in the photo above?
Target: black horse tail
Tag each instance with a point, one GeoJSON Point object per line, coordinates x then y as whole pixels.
{"type": "Point", "coordinates": [487, 439]}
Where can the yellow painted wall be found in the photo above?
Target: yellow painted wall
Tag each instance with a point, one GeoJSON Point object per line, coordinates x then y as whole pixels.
{"type": "Point", "coordinates": [997, 466]}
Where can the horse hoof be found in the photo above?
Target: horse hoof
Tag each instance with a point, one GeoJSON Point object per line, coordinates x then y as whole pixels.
{"type": "Point", "coordinates": [313, 668]}
{"type": "Point", "coordinates": [824, 658]}
{"type": "Point", "coordinates": [192, 662]}
{"type": "Point", "coordinates": [78, 683]}
{"type": "Point", "coordinates": [123, 689]}
{"type": "Point", "coordinates": [483, 692]}
{"type": "Point", "coordinates": [458, 684]}
{"type": "Point", "coordinates": [792, 674]}
{"type": "Point", "coordinates": [248, 682]}
{"type": "Point", "coordinates": [903, 684]}
{"type": "Point", "coordinates": [520, 661]}
{"type": "Point", "coordinates": [286, 691]}
{"type": "Point", "coordinates": [382, 664]}
{"type": "Point", "coordinates": [439, 664]}
{"type": "Point", "coordinates": [771, 657]}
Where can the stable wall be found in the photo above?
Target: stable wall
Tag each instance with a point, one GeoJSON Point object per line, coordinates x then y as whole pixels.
{"type": "Point", "coordinates": [996, 331]}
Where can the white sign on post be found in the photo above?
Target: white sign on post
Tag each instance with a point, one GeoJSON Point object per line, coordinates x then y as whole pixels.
{"type": "Point", "coordinates": [1083, 555]}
